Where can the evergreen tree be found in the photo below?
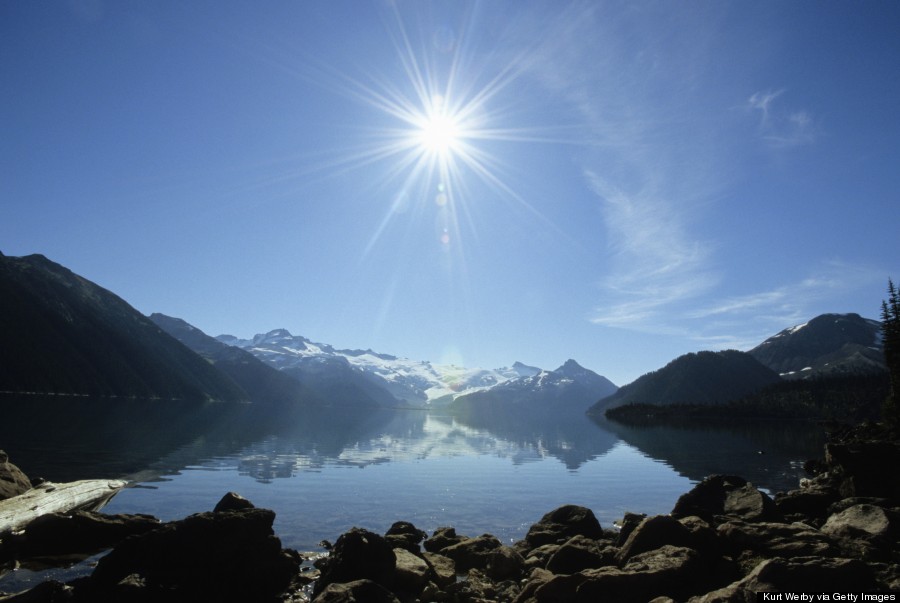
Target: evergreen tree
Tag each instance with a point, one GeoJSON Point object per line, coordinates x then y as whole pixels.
{"type": "Point", "coordinates": [890, 328]}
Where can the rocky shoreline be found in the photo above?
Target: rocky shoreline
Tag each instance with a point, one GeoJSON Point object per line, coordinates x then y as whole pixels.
{"type": "Point", "coordinates": [724, 541]}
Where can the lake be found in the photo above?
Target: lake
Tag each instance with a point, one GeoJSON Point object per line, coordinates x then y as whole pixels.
{"type": "Point", "coordinates": [323, 474]}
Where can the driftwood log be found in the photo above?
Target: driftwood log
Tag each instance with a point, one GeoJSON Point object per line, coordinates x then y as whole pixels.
{"type": "Point", "coordinates": [89, 494]}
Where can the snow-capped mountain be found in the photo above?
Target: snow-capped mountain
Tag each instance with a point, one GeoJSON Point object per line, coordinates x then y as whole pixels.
{"type": "Point", "coordinates": [571, 387]}
{"type": "Point", "coordinates": [411, 382]}
{"type": "Point", "coordinates": [827, 344]}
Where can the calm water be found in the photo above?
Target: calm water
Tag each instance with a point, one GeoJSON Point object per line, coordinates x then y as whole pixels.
{"type": "Point", "coordinates": [323, 475]}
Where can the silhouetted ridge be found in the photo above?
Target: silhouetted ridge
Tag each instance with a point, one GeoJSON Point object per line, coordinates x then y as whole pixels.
{"type": "Point", "coordinates": [697, 378]}
{"type": "Point", "coordinates": [64, 334]}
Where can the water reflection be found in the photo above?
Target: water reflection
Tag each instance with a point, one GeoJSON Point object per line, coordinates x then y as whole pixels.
{"type": "Point", "coordinates": [770, 454]}
{"type": "Point", "coordinates": [67, 439]}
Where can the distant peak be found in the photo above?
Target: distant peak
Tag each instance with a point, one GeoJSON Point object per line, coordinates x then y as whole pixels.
{"type": "Point", "coordinates": [279, 333]}
{"type": "Point", "coordinates": [271, 335]}
{"type": "Point", "coordinates": [524, 370]}
{"type": "Point", "coordinates": [570, 366]}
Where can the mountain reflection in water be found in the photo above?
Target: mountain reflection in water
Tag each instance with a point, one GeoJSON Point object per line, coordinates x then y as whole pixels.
{"type": "Point", "coordinates": [493, 472]}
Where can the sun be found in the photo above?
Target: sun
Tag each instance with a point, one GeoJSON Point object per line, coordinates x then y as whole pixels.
{"type": "Point", "coordinates": [439, 132]}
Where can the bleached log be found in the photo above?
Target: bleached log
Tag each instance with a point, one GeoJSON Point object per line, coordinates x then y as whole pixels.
{"type": "Point", "coordinates": [90, 494]}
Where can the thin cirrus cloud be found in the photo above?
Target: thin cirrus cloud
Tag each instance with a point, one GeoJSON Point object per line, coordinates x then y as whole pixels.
{"type": "Point", "coordinates": [655, 263]}
{"type": "Point", "coordinates": [781, 127]}
{"type": "Point", "coordinates": [751, 317]}
{"type": "Point", "coordinates": [741, 321]}
{"type": "Point", "coordinates": [650, 164]}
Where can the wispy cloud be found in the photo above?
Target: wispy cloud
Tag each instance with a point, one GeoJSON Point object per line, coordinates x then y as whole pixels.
{"type": "Point", "coordinates": [781, 127]}
{"type": "Point", "coordinates": [658, 148]}
{"type": "Point", "coordinates": [655, 264]}
{"type": "Point", "coordinates": [747, 319]}
{"type": "Point", "coordinates": [651, 165]}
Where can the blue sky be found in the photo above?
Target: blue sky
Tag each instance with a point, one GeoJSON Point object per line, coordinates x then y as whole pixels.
{"type": "Point", "coordinates": [470, 182]}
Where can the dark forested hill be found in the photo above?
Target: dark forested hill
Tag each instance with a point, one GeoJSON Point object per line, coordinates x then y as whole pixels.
{"type": "Point", "coordinates": [61, 333]}
{"type": "Point", "coordinates": [702, 378]}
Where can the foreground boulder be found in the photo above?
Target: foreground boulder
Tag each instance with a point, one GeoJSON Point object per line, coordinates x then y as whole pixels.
{"type": "Point", "coordinates": [79, 533]}
{"type": "Point", "coordinates": [809, 574]}
{"type": "Point", "coordinates": [726, 496]}
{"type": "Point", "coordinates": [358, 555]}
{"type": "Point", "coordinates": [559, 525]}
{"type": "Point", "coordinates": [214, 556]}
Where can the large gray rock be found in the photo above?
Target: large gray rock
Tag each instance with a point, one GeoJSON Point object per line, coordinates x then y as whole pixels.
{"type": "Point", "coordinates": [859, 521]}
{"type": "Point", "coordinates": [668, 571]}
{"type": "Point", "coordinates": [410, 572]}
{"type": "Point", "coordinates": [652, 533]}
{"type": "Point", "coordinates": [810, 503]}
{"type": "Point", "coordinates": [559, 525]}
{"type": "Point", "coordinates": [776, 539]}
{"type": "Point", "coordinates": [749, 504]}
{"type": "Point", "coordinates": [486, 554]}
{"type": "Point", "coordinates": [580, 553]}
{"type": "Point", "coordinates": [810, 574]}
{"type": "Point", "coordinates": [225, 556]}
{"type": "Point", "coordinates": [505, 563]}
{"type": "Point", "coordinates": [864, 531]}
{"type": "Point", "coordinates": [358, 555]}
{"type": "Point", "coordinates": [726, 495]}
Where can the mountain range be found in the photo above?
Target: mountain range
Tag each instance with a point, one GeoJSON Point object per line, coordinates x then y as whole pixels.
{"type": "Point", "coordinates": [63, 334]}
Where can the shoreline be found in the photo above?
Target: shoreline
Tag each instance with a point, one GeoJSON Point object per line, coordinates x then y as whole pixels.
{"type": "Point", "coordinates": [723, 541]}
